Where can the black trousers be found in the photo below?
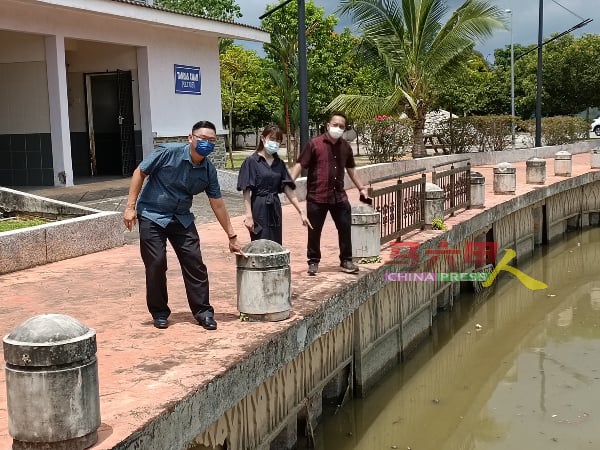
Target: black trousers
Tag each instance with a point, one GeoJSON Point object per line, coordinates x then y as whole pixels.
{"type": "Point", "coordinates": [342, 217]}
{"type": "Point", "coordinates": [186, 243]}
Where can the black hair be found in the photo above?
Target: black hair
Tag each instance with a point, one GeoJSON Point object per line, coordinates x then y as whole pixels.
{"type": "Point", "coordinates": [339, 114]}
{"type": "Point", "coordinates": [272, 130]}
{"type": "Point", "coordinates": [204, 124]}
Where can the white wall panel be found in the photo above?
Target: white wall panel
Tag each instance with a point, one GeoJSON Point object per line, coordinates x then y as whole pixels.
{"type": "Point", "coordinates": [24, 94]}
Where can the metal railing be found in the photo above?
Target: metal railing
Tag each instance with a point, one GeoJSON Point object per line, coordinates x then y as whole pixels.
{"type": "Point", "coordinates": [456, 185]}
{"type": "Point", "coordinates": [401, 206]}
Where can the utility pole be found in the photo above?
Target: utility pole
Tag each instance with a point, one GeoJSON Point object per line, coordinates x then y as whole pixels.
{"type": "Point", "coordinates": [512, 80]}
{"type": "Point", "coordinates": [538, 103]}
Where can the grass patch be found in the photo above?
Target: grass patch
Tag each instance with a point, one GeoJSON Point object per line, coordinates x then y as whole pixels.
{"type": "Point", "coordinates": [16, 223]}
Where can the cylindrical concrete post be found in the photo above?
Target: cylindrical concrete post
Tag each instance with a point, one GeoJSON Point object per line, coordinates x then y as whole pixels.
{"type": "Point", "coordinates": [52, 384]}
{"type": "Point", "coordinates": [434, 203]}
{"type": "Point", "coordinates": [505, 178]}
{"type": "Point", "coordinates": [535, 173]}
{"type": "Point", "coordinates": [562, 164]}
{"type": "Point", "coordinates": [596, 158]}
{"type": "Point", "coordinates": [365, 232]}
{"type": "Point", "coordinates": [477, 190]}
{"type": "Point", "coordinates": [264, 283]}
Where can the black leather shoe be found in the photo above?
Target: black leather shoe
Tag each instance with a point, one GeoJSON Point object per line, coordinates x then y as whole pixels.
{"type": "Point", "coordinates": [208, 323]}
{"type": "Point", "coordinates": [161, 323]}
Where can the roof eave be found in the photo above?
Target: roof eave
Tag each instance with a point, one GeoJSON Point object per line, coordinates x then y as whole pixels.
{"type": "Point", "coordinates": [130, 10]}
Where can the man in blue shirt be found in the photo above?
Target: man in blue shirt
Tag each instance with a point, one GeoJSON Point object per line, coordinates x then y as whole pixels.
{"type": "Point", "coordinates": [176, 172]}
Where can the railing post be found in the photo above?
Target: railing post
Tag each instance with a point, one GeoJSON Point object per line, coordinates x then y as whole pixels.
{"type": "Point", "coordinates": [422, 195]}
{"type": "Point", "coordinates": [452, 190]}
{"type": "Point", "coordinates": [399, 206]}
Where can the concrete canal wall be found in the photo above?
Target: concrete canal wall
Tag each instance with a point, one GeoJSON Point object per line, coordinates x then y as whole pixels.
{"type": "Point", "coordinates": [367, 327]}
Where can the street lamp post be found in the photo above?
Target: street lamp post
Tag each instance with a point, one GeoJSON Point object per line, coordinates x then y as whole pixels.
{"type": "Point", "coordinates": [512, 80]}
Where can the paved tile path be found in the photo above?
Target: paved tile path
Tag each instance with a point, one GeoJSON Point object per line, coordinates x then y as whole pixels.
{"type": "Point", "coordinates": [143, 370]}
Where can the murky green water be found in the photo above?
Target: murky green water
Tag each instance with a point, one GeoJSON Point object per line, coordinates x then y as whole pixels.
{"type": "Point", "coordinates": [509, 369]}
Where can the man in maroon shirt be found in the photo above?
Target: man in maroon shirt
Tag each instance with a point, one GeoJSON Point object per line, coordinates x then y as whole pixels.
{"type": "Point", "coordinates": [325, 157]}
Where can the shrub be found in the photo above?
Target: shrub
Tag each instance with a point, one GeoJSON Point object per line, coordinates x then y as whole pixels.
{"type": "Point", "coordinates": [459, 132]}
{"type": "Point", "coordinates": [387, 138]}
{"type": "Point", "coordinates": [480, 133]}
{"type": "Point", "coordinates": [560, 130]}
{"type": "Point", "coordinates": [493, 132]}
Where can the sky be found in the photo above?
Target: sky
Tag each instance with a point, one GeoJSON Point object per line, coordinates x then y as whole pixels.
{"type": "Point", "coordinates": [525, 15]}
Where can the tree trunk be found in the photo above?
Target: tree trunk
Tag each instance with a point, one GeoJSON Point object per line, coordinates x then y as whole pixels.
{"type": "Point", "coordinates": [419, 143]}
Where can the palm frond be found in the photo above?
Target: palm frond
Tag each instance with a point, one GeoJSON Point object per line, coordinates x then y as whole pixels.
{"type": "Point", "coordinates": [359, 107]}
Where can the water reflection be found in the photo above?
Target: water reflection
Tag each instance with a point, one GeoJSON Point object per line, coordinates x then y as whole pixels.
{"type": "Point", "coordinates": [526, 378]}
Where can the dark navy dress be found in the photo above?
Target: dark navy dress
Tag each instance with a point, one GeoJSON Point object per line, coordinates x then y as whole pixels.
{"type": "Point", "coordinates": [265, 182]}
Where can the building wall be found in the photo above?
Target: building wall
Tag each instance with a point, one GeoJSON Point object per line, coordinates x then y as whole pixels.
{"type": "Point", "coordinates": [97, 43]}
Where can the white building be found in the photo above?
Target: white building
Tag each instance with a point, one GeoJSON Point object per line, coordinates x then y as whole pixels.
{"type": "Point", "coordinates": [88, 86]}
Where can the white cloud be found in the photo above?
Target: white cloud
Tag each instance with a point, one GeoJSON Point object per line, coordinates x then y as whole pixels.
{"type": "Point", "coordinates": [525, 18]}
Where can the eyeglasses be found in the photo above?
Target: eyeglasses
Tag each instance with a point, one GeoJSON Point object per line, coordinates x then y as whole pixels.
{"type": "Point", "coordinates": [338, 125]}
{"type": "Point", "coordinates": [203, 138]}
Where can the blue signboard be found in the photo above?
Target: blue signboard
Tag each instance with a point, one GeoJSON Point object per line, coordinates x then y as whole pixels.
{"type": "Point", "coordinates": [187, 79]}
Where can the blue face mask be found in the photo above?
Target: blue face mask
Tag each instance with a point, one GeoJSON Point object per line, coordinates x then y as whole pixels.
{"type": "Point", "coordinates": [204, 148]}
{"type": "Point", "coordinates": [272, 147]}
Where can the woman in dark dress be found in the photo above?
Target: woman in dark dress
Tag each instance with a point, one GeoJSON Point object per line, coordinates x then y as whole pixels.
{"type": "Point", "coordinates": [263, 176]}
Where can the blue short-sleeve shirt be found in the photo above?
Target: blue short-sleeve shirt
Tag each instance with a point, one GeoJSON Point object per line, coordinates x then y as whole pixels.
{"type": "Point", "coordinates": [172, 181]}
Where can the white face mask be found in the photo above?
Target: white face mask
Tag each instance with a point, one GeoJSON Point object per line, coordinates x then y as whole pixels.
{"type": "Point", "coordinates": [272, 147]}
{"type": "Point", "coordinates": [335, 132]}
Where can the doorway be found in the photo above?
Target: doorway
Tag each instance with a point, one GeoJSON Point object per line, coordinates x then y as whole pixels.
{"type": "Point", "coordinates": [110, 123]}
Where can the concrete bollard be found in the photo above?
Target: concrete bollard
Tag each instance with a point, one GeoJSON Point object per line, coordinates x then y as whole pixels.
{"type": "Point", "coordinates": [264, 284]}
{"type": "Point", "coordinates": [477, 190]}
{"type": "Point", "coordinates": [596, 158]}
{"type": "Point", "coordinates": [536, 171]}
{"type": "Point", "coordinates": [562, 164]}
{"type": "Point", "coordinates": [365, 232]}
{"type": "Point", "coordinates": [434, 203]}
{"type": "Point", "coordinates": [505, 178]}
{"type": "Point", "coordinates": [52, 384]}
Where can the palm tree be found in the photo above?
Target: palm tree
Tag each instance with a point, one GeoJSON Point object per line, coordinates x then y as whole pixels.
{"type": "Point", "coordinates": [284, 51]}
{"type": "Point", "coordinates": [417, 50]}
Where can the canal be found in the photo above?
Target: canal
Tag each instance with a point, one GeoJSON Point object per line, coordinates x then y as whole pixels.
{"type": "Point", "coordinates": [508, 368]}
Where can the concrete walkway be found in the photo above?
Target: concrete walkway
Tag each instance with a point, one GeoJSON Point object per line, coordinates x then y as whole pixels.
{"type": "Point", "coordinates": [144, 371]}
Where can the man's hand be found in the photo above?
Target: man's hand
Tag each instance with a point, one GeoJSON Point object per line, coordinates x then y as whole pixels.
{"type": "Point", "coordinates": [130, 217]}
{"type": "Point", "coordinates": [305, 220]}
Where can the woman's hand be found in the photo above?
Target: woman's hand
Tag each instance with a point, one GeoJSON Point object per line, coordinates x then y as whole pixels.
{"type": "Point", "coordinates": [249, 223]}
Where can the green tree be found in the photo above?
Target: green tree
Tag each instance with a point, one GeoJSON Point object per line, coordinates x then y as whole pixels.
{"type": "Point", "coordinates": [244, 90]}
{"type": "Point", "coordinates": [284, 73]}
{"type": "Point", "coordinates": [470, 91]}
{"type": "Point", "coordinates": [418, 51]}
{"type": "Point", "coordinates": [215, 9]}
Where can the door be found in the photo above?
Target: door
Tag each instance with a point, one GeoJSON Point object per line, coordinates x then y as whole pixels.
{"type": "Point", "coordinates": [110, 121]}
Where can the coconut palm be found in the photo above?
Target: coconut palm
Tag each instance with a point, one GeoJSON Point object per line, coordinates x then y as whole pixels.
{"type": "Point", "coordinates": [417, 50]}
{"type": "Point", "coordinates": [284, 52]}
